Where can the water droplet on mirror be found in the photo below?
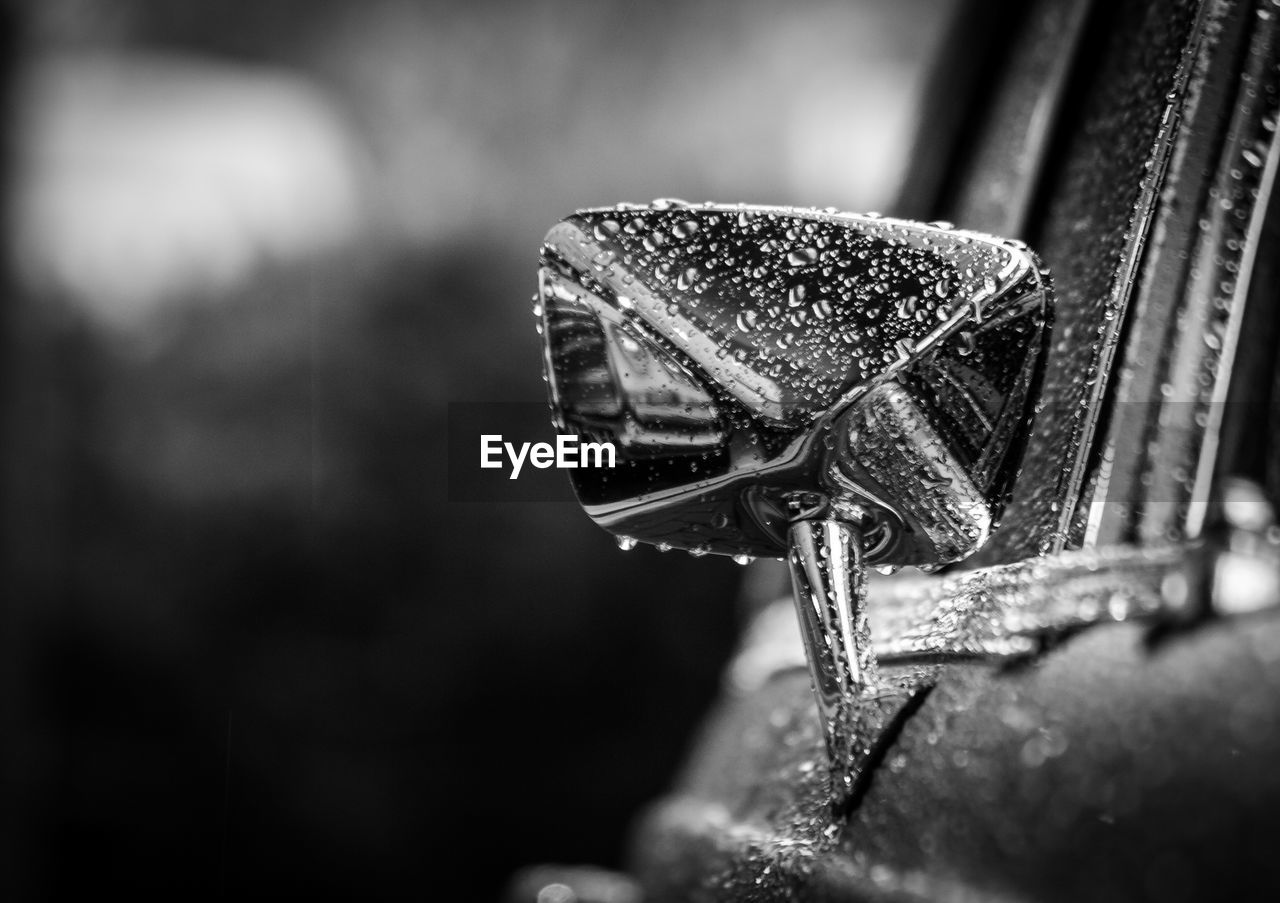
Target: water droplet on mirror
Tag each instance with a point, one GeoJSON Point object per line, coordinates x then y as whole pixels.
{"type": "Point", "coordinates": [605, 229]}
{"type": "Point", "coordinates": [626, 543]}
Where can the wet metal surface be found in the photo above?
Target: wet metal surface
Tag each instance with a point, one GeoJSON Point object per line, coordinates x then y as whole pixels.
{"type": "Point", "coordinates": [1098, 196]}
{"type": "Point", "coordinates": [756, 366]}
{"type": "Point", "coordinates": [1157, 470]}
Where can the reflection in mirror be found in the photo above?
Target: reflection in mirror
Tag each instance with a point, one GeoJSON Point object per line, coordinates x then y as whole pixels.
{"type": "Point", "coordinates": [759, 366]}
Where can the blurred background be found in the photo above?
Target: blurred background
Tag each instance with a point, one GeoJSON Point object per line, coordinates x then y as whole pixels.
{"type": "Point", "coordinates": [254, 250]}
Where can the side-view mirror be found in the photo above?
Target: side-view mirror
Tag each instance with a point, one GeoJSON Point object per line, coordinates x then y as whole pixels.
{"type": "Point", "coordinates": [844, 390]}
